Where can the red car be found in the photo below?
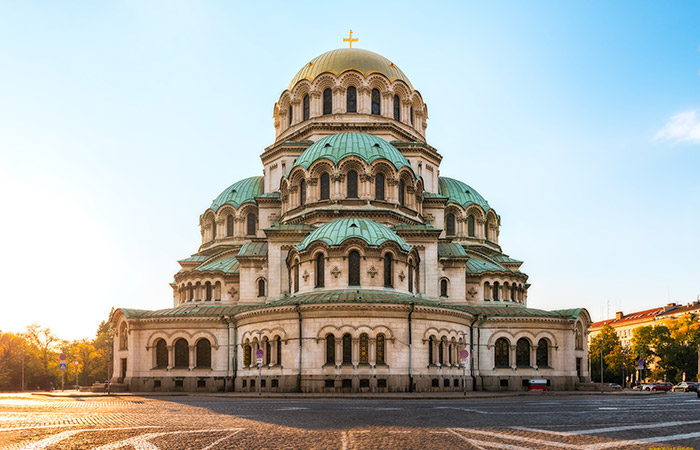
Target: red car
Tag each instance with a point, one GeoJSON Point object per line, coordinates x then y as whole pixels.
{"type": "Point", "coordinates": [661, 386]}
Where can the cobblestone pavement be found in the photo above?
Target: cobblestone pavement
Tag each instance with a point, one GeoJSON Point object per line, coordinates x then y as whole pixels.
{"type": "Point", "coordinates": [201, 422]}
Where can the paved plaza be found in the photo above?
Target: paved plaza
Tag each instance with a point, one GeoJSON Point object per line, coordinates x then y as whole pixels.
{"type": "Point", "coordinates": [203, 422]}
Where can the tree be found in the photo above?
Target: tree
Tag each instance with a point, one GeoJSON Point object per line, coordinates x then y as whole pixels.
{"type": "Point", "coordinates": [42, 346]}
{"type": "Point", "coordinates": [614, 356]}
{"type": "Point", "coordinates": [12, 351]}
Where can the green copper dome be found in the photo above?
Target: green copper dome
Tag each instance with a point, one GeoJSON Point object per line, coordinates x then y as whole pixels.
{"type": "Point", "coordinates": [344, 59]}
{"type": "Point", "coordinates": [461, 194]}
{"type": "Point", "coordinates": [338, 146]}
{"type": "Point", "coordinates": [338, 231]}
{"type": "Point", "coordinates": [239, 193]}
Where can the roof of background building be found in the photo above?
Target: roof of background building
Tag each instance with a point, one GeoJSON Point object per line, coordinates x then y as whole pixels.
{"type": "Point", "coordinates": [338, 146]}
{"type": "Point", "coordinates": [627, 319]}
{"type": "Point", "coordinates": [461, 193]}
{"type": "Point", "coordinates": [344, 59]}
{"type": "Point", "coordinates": [239, 193]}
{"type": "Point", "coordinates": [338, 231]}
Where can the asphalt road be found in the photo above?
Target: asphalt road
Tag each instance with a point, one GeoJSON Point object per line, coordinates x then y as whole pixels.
{"type": "Point", "coordinates": [582, 422]}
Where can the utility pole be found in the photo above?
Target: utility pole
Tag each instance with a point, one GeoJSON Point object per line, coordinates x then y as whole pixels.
{"type": "Point", "coordinates": [23, 352]}
{"type": "Point", "coordinates": [601, 366]}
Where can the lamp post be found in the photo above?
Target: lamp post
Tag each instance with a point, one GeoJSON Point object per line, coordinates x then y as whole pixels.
{"type": "Point", "coordinates": [23, 352]}
{"type": "Point", "coordinates": [601, 366]}
{"type": "Point", "coordinates": [259, 363]}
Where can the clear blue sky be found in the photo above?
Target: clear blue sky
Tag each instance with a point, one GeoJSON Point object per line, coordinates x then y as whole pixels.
{"type": "Point", "coordinates": [121, 121]}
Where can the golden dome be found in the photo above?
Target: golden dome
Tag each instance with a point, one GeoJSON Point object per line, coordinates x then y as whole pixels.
{"type": "Point", "coordinates": [344, 59]}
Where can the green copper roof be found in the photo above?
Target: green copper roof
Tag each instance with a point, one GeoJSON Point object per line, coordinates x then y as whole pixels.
{"type": "Point", "coordinates": [195, 259]}
{"type": "Point", "coordinates": [239, 193]}
{"type": "Point", "coordinates": [461, 194]}
{"type": "Point", "coordinates": [510, 310]}
{"type": "Point", "coordinates": [451, 250]}
{"type": "Point", "coordinates": [337, 231]}
{"type": "Point", "coordinates": [226, 265]}
{"type": "Point", "coordinates": [475, 265]}
{"type": "Point", "coordinates": [253, 250]}
{"type": "Point", "coordinates": [337, 146]}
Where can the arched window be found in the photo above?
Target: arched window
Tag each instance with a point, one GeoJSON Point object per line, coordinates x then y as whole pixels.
{"type": "Point", "coordinates": [411, 115]}
{"type": "Point", "coordinates": [229, 225]}
{"type": "Point", "coordinates": [161, 354]}
{"type": "Point", "coordinates": [278, 347]}
{"type": "Point", "coordinates": [207, 289]}
{"type": "Point", "coordinates": [431, 345]}
{"type": "Point", "coordinates": [351, 96]}
{"type": "Point", "coordinates": [470, 225]}
{"type": "Point", "coordinates": [542, 353]}
{"type": "Point", "coordinates": [441, 351]}
{"type": "Point", "coordinates": [330, 349]}
{"type": "Point", "coordinates": [296, 276]}
{"type": "Point", "coordinates": [190, 288]}
{"type": "Point", "coordinates": [250, 225]}
{"type": "Point", "coordinates": [354, 268]}
{"type": "Point", "coordinates": [379, 186]}
{"type": "Point", "coordinates": [486, 230]}
{"type": "Point", "coordinates": [449, 354]}
{"type": "Point", "coordinates": [182, 354]}
{"type": "Point", "coordinates": [443, 288]}
{"type": "Point", "coordinates": [327, 101]}
{"type": "Point", "coordinates": [320, 270]}
{"type": "Point", "coordinates": [364, 348]}
{"type": "Point", "coordinates": [302, 193]}
{"type": "Point", "coordinates": [512, 291]}
{"type": "Point", "coordinates": [381, 349]}
{"type": "Point", "coordinates": [123, 337]}
{"type": "Point", "coordinates": [305, 106]}
{"type": "Point", "coordinates": [397, 108]}
{"type": "Point", "coordinates": [450, 224]}
{"type": "Point", "coordinates": [246, 355]}
{"type": "Point", "coordinates": [388, 275]}
{"type": "Point", "coordinates": [261, 287]}
{"type": "Point", "coordinates": [347, 349]}
{"type": "Point", "coordinates": [268, 352]}
{"type": "Point", "coordinates": [203, 353]}
{"type": "Point", "coordinates": [522, 353]}
{"type": "Point", "coordinates": [217, 291]}
{"type": "Point", "coordinates": [289, 115]}
{"type": "Point", "coordinates": [402, 193]}
{"type": "Point", "coordinates": [410, 276]}
{"type": "Point", "coordinates": [487, 291]}
{"type": "Point", "coordinates": [376, 102]}
{"type": "Point", "coordinates": [325, 187]}
{"type": "Point", "coordinates": [496, 291]}
{"type": "Point", "coordinates": [502, 353]}
{"type": "Point", "coordinates": [213, 229]}
{"type": "Point", "coordinates": [352, 184]}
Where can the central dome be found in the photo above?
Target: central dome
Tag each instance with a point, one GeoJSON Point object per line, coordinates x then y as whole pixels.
{"type": "Point", "coordinates": [338, 231]}
{"type": "Point", "coordinates": [344, 59]}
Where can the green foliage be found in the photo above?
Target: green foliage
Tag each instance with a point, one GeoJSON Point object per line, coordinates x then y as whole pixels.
{"type": "Point", "coordinates": [617, 361]}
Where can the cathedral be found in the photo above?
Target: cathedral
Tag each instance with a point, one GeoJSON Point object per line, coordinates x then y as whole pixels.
{"type": "Point", "coordinates": [349, 265]}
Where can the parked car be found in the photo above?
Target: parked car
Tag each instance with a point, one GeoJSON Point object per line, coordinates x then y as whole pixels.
{"type": "Point", "coordinates": [662, 386]}
{"type": "Point", "coordinates": [686, 386]}
{"type": "Point", "coordinates": [647, 386]}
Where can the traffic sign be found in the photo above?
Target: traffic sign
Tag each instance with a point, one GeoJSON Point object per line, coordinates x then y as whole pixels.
{"type": "Point", "coordinates": [464, 353]}
{"type": "Point", "coordinates": [259, 353]}
{"type": "Point", "coordinates": [258, 361]}
{"type": "Point", "coordinates": [62, 366]}
{"type": "Point", "coordinates": [76, 363]}
{"type": "Point", "coordinates": [62, 357]}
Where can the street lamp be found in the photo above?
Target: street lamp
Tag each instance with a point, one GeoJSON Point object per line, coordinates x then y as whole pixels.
{"type": "Point", "coordinates": [601, 367]}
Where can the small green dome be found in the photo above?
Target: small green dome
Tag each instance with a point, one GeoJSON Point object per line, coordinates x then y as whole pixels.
{"type": "Point", "coordinates": [239, 193]}
{"type": "Point", "coordinates": [338, 146]}
{"type": "Point", "coordinates": [461, 194]}
{"type": "Point", "coordinates": [338, 231]}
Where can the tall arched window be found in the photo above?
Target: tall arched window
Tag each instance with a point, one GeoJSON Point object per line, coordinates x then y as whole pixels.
{"type": "Point", "coordinates": [354, 268]}
{"type": "Point", "coordinates": [381, 349]}
{"type": "Point", "coordinates": [512, 291]}
{"type": "Point", "coordinates": [207, 290]}
{"type": "Point", "coordinates": [278, 348]}
{"type": "Point", "coordinates": [379, 186]}
{"type": "Point", "coordinates": [486, 230]}
{"type": "Point", "coordinates": [542, 353]}
{"type": "Point", "coordinates": [364, 348]}
{"type": "Point", "coordinates": [502, 353]}
{"type": "Point", "coordinates": [203, 353]}
{"type": "Point", "coordinates": [388, 271]}
{"type": "Point", "coordinates": [161, 354]}
{"type": "Point", "coordinates": [431, 345]}
{"type": "Point", "coordinates": [470, 226]}
{"type": "Point", "coordinates": [217, 291]}
{"type": "Point", "coordinates": [246, 355]}
{"type": "Point", "coordinates": [330, 349]}
{"type": "Point", "coordinates": [397, 108]}
{"type": "Point", "coordinates": [376, 102]}
{"type": "Point", "coordinates": [496, 291]}
{"type": "Point", "coordinates": [352, 184]}
{"type": "Point", "coordinates": [320, 270]}
{"type": "Point", "coordinates": [250, 225]}
{"type": "Point", "coordinates": [410, 276]}
{"type": "Point", "coordinates": [289, 115]}
{"type": "Point", "coordinates": [190, 289]}
{"type": "Point", "coordinates": [327, 101]}
{"type": "Point", "coordinates": [268, 352]}
{"type": "Point", "coordinates": [261, 287]}
{"type": "Point", "coordinates": [305, 106]}
{"type": "Point", "coordinates": [302, 193]}
{"type": "Point", "coordinates": [213, 229]}
{"type": "Point", "coordinates": [450, 224]}
{"type": "Point", "coordinates": [229, 225]}
{"type": "Point", "coordinates": [402, 193]}
{"type": "Point", "coordinates": [325, 187]}
{"type": "Point", "coordinates": [443, 288]}
{"type": "Point", "coordinates": [411, 115]}
{"type": "Point", "coordinates": [347, 349]}
{"type": "Point", "coordinates": [522, 353]}
{"type": "Point", "coordinates": [296, 276]}
{"type": "Point", "coordinates": [441, 351]}
{"type": "Point", "coordinates": [351, 97]}
{"type": "Point", "coordinates": [182, 354]}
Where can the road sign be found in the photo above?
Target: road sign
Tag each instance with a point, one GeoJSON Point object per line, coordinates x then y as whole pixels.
{"type": "Point", "coordinates": [62, 357]}
{"type": "Point", "coordinates": [76, 363]}
{"type": "Point", "coordinates": [259, 353]}
{"type": "Point", "coordinates": [464, 353]}
{"type": "Point", "coordinates": [640, 362]}
{"type": "Point", "coordinates": [62, 366]}
{"type": "Point", "coordinates": [258, 361]}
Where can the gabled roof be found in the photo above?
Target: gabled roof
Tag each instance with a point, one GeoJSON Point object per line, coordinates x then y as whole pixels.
{"type": "Point", "coordinates": [239, 193]}
{"type": "Point", "coordinates": [338, 231]}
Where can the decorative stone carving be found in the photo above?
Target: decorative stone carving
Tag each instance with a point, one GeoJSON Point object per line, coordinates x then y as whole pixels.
{"type": "Point", "coordinates": [472, 292]}
{"type": "Point", "coordinates": [305, 275]}
{"type": "Point", "coordinates": [402, 276]}
{"type": "Point", "coordinates": [335, 272]}
{"type": "Point", "coordinates": [371, 271]}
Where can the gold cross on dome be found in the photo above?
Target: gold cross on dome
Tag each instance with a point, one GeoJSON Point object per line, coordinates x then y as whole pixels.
{"type": "Point", "coordinates": [350, 40]}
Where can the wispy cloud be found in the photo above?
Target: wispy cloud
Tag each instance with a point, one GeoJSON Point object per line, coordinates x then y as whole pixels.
{"type": "Point", "coordinates": [682, 127]}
